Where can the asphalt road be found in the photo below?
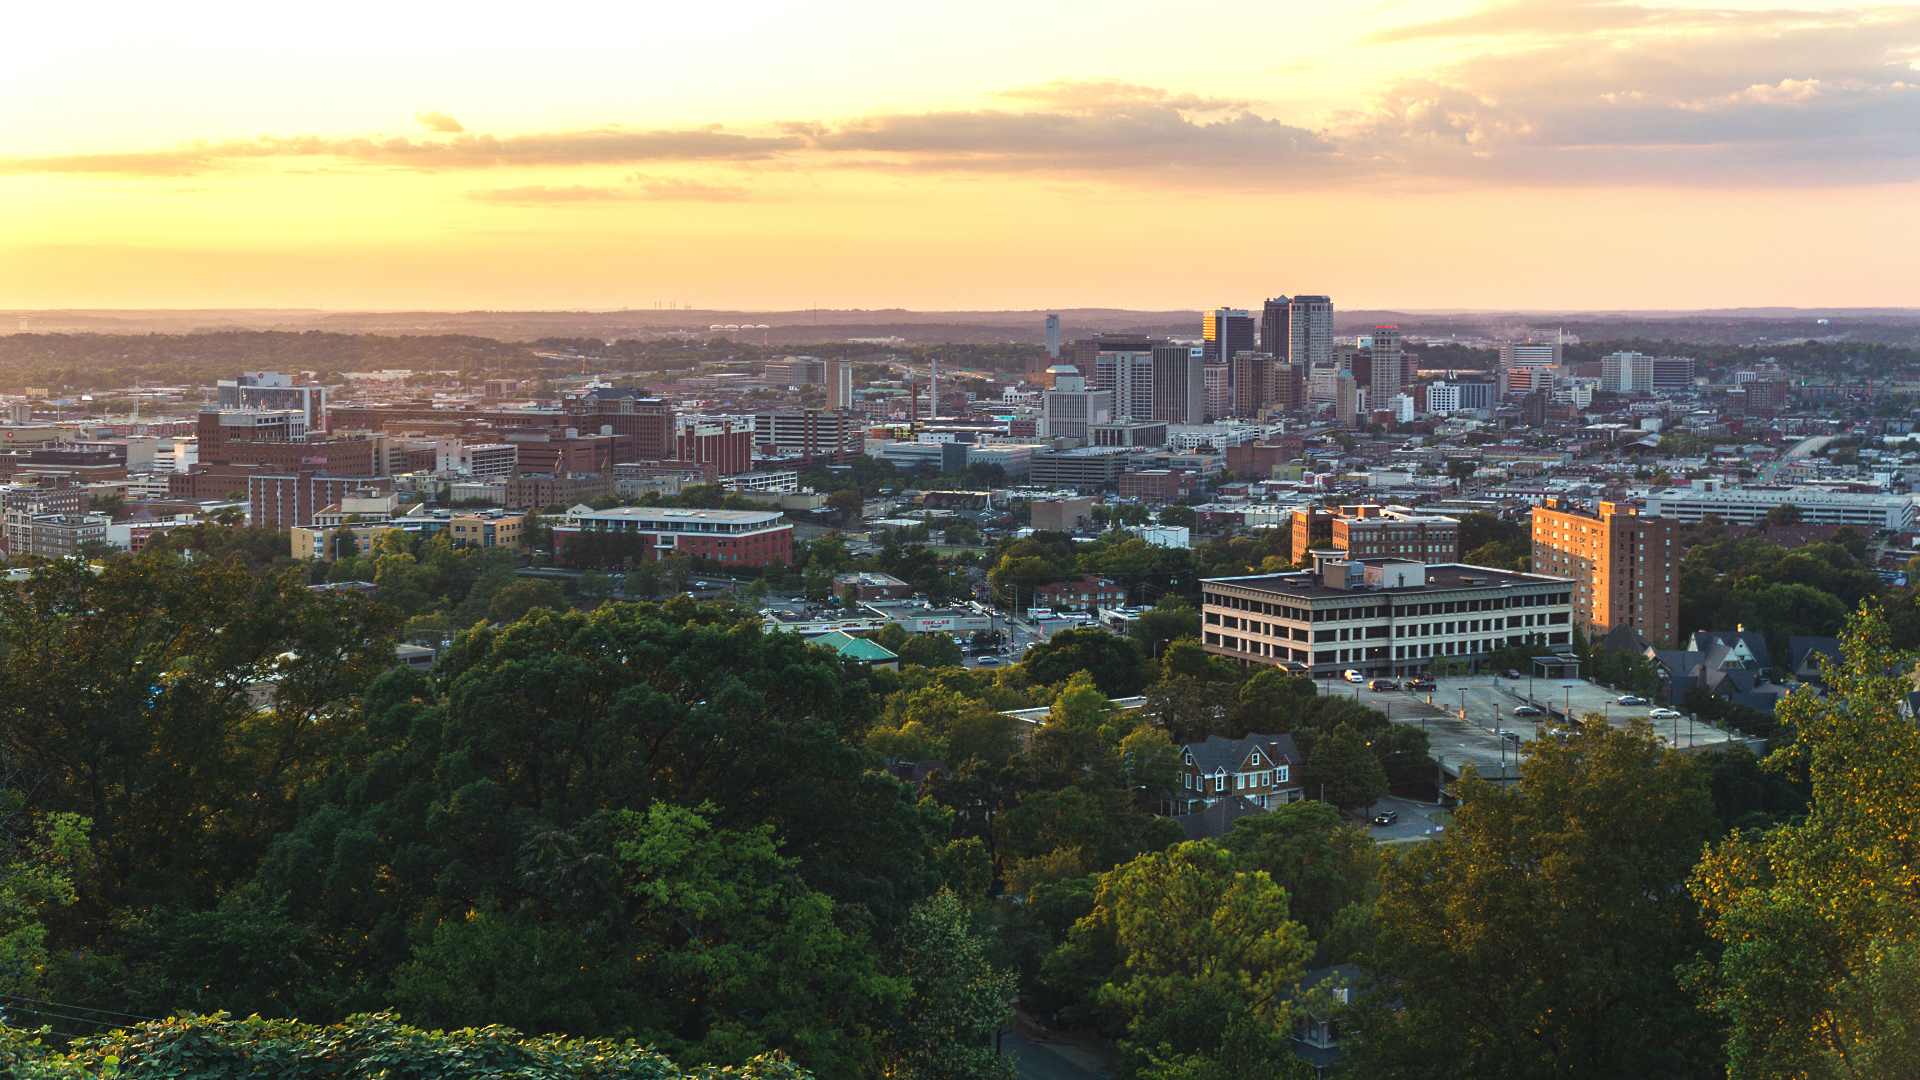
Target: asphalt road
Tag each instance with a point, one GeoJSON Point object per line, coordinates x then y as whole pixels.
{"type": "Point", "coordinates": [1046, 1060]}
{"type": "Point", "coordinates": [1418, 821]}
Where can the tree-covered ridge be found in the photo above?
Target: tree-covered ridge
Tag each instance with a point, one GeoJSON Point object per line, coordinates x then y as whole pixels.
{"type": "Point", "coordinates": [660, 825]}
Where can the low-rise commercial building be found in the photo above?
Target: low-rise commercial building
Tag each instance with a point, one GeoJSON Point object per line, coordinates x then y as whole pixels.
{"type": "Point", "coordinates": [1088, 468]}
{"type": "Point", "coordinates": [1749, 505]}
{"type": "Point", "coordinates": [631, 534]}
{"type": "Point", "coordinates": [1387, 617]}
{"type": "Point", "coordinates": [54, 536]}
{"type": "Point", "coordinates": [1369, 531]}
{"type": "Point", "coordinates": [487, 529]}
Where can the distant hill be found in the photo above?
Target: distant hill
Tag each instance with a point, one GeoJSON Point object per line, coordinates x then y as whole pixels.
{"type": "Point", "coordinates": [1734, 326]}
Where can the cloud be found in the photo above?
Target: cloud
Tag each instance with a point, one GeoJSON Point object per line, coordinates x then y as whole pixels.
{"type": "Point", "coordinates": [606, 146]}
{"type": "Point", "coordinates": [1572, 92]}
{"type": "Point", "coordinates": [1147, 140]}
{"type": "Point", "coordinates": [1097, 95]}
{"type": "Point", "coordinates": [1567, 17]}
{"type": "Point", "coordinates": [439, 121]}
{"type": "Point", "coordinates": [1607, 92]}
{"type": "Point", "coordinates": [638, 188]}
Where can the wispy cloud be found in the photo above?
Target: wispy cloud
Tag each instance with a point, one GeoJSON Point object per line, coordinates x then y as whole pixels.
{"type": "Point", "coordinates": [1108, 94]}
{"type": "Point", "coordinates": [606, 146]}
{"type": "Point", "coordinates": [439, 121]}
{"type": "Point", "coordinates": [1561, 92]}
{"type": "Point", "coordinates": [637, 188]}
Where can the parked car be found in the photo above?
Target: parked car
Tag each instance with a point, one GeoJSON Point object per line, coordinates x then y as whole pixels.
{"type": "Point", "coordinates": [988, 661]}
{"type": "Point", "coordinates": [1422, 683]}
{"type": "Point", "coordinates": [1665, 714]}
{"type": "Point", "coordinates": [1353, 676]}
{"type": "Point", "coordinates": [1505, 734]}
{"type": "Point", "coordinates": [1632, 699]}
{"type": "Point", "coordinates": [1512, 674]}
{"type": "Point", "coordinates": [1382, 684]}
{"type": "Point", "coordinates": [1386, 818]}
{"type": "Point", "coordinates": [1529, 710]}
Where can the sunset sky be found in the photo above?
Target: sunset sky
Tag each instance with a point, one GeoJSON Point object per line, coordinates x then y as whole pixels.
{"type": "Point", "coordinates": [1417, 154]}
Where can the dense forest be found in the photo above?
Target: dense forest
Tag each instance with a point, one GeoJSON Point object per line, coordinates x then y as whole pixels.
{"type": "Point", "coordinates": [656, 825]}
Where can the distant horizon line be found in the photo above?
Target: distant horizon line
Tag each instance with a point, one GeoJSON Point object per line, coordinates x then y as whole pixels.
{"type": "Point", "coordinates": [1752, 310]}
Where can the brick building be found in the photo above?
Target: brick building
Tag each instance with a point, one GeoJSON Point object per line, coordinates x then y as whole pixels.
{"type": "Point", "coordinates": [1622, 564]}
{"type": "Point", "coordinates": [1159, 485]}
{"type": "Point", "coordinates": [1367, 531]}
{"type": "Point", "coordinates": [719, 447]}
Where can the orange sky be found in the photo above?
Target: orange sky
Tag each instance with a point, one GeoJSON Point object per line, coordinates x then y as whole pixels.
{"type": "Point", "coordinates": [1573, 154]}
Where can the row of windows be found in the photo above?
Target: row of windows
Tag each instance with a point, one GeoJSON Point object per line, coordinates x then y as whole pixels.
{"type": "Point", "coordinates": [1380, 610]}
{"type": "Point", "coordinates": [1241, 781]}
{"type": "Point", "coordinates": [1362, 654]}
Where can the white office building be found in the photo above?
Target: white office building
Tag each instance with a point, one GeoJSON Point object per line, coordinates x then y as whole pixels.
{"type": "Point", "coordinates": [1749, 505]}
{"type": "Point", "coordinates": [1382, 617]}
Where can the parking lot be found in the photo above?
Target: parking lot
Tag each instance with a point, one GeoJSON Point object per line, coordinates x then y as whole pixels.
{"type": "Point", "coordinates": [1414, 821]}
{"type": "Point", "coordinates": [1462, 714]}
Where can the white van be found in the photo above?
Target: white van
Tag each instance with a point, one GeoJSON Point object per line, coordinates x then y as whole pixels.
{"type": "Point", "coordinates": [1353, 676]}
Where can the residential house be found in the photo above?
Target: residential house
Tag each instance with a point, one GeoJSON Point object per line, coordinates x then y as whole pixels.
{"type": "Point", "coordinates": [1806, 656]}
{"type": "Point", "coordinates": [1262, 769]}
{"type": "Point", "coordinates": [1324, 995]}
{"type": "Point", "coordinates": [1729, 664]}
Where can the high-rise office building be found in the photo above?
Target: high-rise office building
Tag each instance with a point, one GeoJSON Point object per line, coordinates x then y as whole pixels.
{"type": "Point", "coordinates": [1249, 382]}
{"type": "Point", "coordinates": [1286, 386]}
{"type": "Point", "coordinates": [1226, 331]}
{"type": "Point", "coordinates": [1053, 337]}
{"type": "Point", "coordinates": [1389, 374]}
{"type": "Point", "coordinates": [1274, 326]}
{"type": "Point", "coordinates": [1070, 408]}
{"type": "Point", "coordinates": [1179, 384]}
{"type": "Point", "coordinates": [1084, 354]}
{"type": "Point", "coordinates": [272, 390]}
{"type": "Point", "coordinates": [1622, 564]}
{"type": "Point", "coordinates": [1310, 330]}
{"type": "Point", "coordinates": [840, 385]}
{"type": "Point", "coordinates": [1672, 374]}
{"type": "Point", "coordinates": [1626, 372]}
{"type": "Point", "coordinates": [1219, 398]}
{"type": "Point", "coordinates": [1128, 374]}
{"type": "Point", "coordinates": [1530, 353]}
{"type": "Point", "coordinates": [1526, 366]}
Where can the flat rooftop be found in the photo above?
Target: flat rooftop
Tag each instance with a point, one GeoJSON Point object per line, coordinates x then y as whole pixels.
{"type": "Point", "coordinates": [670, 513]}
{"type": "Point", "coordinates": [1440, 577]}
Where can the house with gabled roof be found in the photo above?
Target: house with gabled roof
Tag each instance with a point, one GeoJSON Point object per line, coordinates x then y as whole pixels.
{"type": "Point", "coordinates": [1263, 769]}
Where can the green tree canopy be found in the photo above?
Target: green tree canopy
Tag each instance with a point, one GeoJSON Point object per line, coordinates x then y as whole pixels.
{"type": "Point", "coordinates": [1539, 936]}
{"type": "Point", "coordinates": [1818, 920]}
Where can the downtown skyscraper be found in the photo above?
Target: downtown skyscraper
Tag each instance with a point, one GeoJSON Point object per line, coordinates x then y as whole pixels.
{"type": "Point", "coordinates": [1276, 328]}
{"type": "Point", "coordinates": [1226, 331]}
{"type": "Point", "coordinates": [1389, 374]}
{"type": "Point", "coordinates": [1310, 331]}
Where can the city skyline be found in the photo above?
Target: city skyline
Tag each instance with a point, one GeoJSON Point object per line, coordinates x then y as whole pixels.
{"type": "Point", "coordinates": [1412, 156]}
